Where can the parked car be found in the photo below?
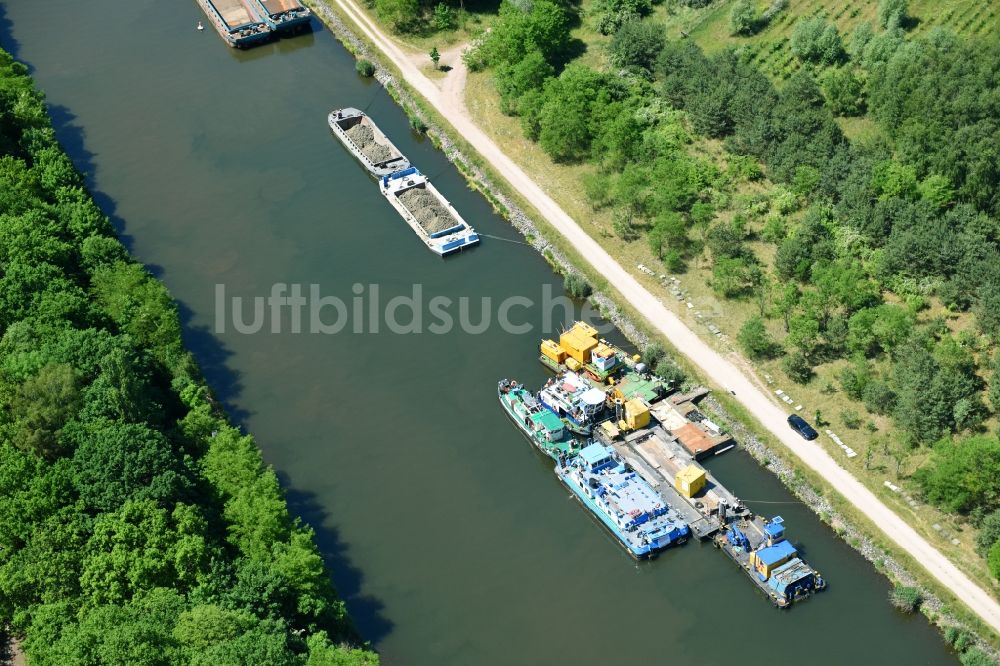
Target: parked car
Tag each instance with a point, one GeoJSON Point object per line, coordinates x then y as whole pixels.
{"type": "Point", "coordinates": [800, 426]}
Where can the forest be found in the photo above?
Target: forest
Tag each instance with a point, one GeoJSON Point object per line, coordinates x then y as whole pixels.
{"type": "Point", "coordinates": [879, 254]}
{"type": "Point", "coordinates": [140, 526]}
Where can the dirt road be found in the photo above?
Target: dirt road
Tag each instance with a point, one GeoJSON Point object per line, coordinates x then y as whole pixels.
{"type": "Point", "coordinates": [448, 100]}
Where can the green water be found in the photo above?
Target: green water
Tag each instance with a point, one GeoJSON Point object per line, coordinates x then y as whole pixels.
{"type": "Point", "coordinates": [451, 540]}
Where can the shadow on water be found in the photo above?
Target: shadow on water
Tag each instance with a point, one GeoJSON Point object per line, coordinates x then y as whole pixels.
{"type": "Point", "coordinates": [72, 138]}
{"type": "Point", "coordinates": [7, 41]}
{"type": "Point", "coordinates": [283, 44]}
{"type": "Point", "coordinates": [213, 359]}
{"type": "Point", "coordinates": [365, 610]}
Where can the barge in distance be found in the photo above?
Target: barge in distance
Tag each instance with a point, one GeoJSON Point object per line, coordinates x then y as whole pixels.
{"type": "Point", "coordinates": [236, 22]}
{"type": "Point", "coordinates": [429, 214]}
{"type": "Point", "coordinates": [366, 142]}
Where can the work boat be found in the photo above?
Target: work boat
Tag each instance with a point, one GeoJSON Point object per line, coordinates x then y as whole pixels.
{"type": "Point", "coordinates": [622, 500]}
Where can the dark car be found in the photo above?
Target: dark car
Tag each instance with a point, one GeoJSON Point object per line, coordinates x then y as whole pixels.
{"type": "Point", "coordinates": [800, 426]}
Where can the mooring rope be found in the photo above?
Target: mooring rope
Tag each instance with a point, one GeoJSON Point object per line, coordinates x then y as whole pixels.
{"type": "Point", "coordinates": [509, 240]}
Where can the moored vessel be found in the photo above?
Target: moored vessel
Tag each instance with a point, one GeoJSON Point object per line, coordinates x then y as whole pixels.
{"type": "Point", "coordinates": [543, 428]}
{"type": "Point", "coordinates": [772, 562]}
{"type": "Point", "coordinates": [429, 214]}
{"type": "Point", "coordinates": [283, 16]}
{"type": "Point", "coordinates": [366, 142]}
{"type": "Point", "coordinates": [575, 400]}
{"type": "Point", "coordinates": [235, 22]}
{"type": "Point", "coordinates": [622, 500]}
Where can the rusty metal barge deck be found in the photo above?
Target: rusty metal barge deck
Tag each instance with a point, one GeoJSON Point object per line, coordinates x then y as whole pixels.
{"type": "Point", "coordinates": [237, 22]}
{"type": "Point", "coordinates": [284, 16]}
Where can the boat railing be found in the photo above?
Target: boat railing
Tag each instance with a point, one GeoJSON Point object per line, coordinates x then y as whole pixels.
{"type": "Point", "coordinates": [449, 231]}
{"type": "Point", "coordinates": [390, 160]}
{"type": "Point", "coordinates": [215, 12]}
{"type": "Point", "coordinates": [399, 175]}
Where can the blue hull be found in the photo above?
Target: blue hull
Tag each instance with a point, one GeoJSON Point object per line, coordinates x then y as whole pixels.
{"type": "Point", "coordinates": [637, 551]}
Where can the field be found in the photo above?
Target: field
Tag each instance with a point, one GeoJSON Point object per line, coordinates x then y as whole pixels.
{"type": "Point", "coordinates": [768, 48]}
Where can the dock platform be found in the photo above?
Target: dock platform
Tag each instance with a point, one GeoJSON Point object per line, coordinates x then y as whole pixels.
{"type": "Point", "coordinates": [658, 456]}
{"type": "Point", "coordinates": [756, 545]}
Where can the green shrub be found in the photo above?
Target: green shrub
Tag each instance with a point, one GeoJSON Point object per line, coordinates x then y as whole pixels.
{"type": "Point", "coordinates": [963, 641]}
{"type": "Point", "coordinates": [815, 40]}
{"type": "Point", "coordinates": [892, 12]}
{"type": "Point", "coordinates": [577, 286]}
{"type": "Point", "coordinates": [904, 598]}
{"type": "Point", "coordinates": [993, 560]}
{"type": "Point", "coordinates": [444, 17]}
{"type": "Point", "coordinates": [417, 124]}
{"type": "Point", "coordinates": [743, 18]}
{"type": "Point", "coordinates": [365, 68]}
{"type": "Point", "coordinates": [671, 373]}
{"type": "Point", "coordinates": [755, 341]}
{"type": "Point", "coordinates": [775, 230]}
{"type": "Point", "coordinates": [851, 419]}
{"type": "Point", "coordinates": [401, 15]}
{"type": "Point", "coordinates": [653, 354]}
{"type": "Point", "coordinates": [989, 532]}
{"type": "Point", "coordinates": [975, 657]}
{"type": "Point", "coordinates": [798, 368]}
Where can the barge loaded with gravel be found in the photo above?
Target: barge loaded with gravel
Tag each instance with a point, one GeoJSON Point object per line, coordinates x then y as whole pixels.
{"type": "Point", "coordinates": [428, 213]}
{"type": "Point", "coordinates": [366, 142]}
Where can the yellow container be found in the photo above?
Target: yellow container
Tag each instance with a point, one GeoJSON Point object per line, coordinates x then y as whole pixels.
{"type": "Point", "coordinates": [636, 414]}
{"type": "Point", "coordinates": [577, 344]}
{"type": "Point", "coordinates": [573, 364]}
{"type": "Point", "coordinates": [585, 329]}
{"type": "Point", "coordinates": [552, 349]}
{"type": "Point", "coordinates": [690, 480]}
{"type": "Point", "coordinates": [764, 568]}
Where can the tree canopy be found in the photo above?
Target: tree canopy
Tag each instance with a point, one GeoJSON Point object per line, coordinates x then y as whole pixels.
{"type": "Point", "coordinates": [139, 526]}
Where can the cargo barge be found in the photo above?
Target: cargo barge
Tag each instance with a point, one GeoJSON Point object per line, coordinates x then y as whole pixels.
{"type": "Point", "coordinates": [236, 22]}
{"type": "Point", "coordinates": [542, 428]}
{"type": "Point", "coordinates": [429, 214]}
{"type": "Point", "coordinates": [283, 16]}
{"type": "Point", "coordinates": [366, 142]}
{"type": "Point", "coordinates": [631, 510]}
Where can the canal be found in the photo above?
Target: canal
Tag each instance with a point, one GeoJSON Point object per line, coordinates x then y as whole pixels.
{"type": "Point", "coordinates": [450, 539]}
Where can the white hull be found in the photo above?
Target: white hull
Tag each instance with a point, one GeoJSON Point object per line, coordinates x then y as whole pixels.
{"type": "Point", "coordinates": [453, 239]}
